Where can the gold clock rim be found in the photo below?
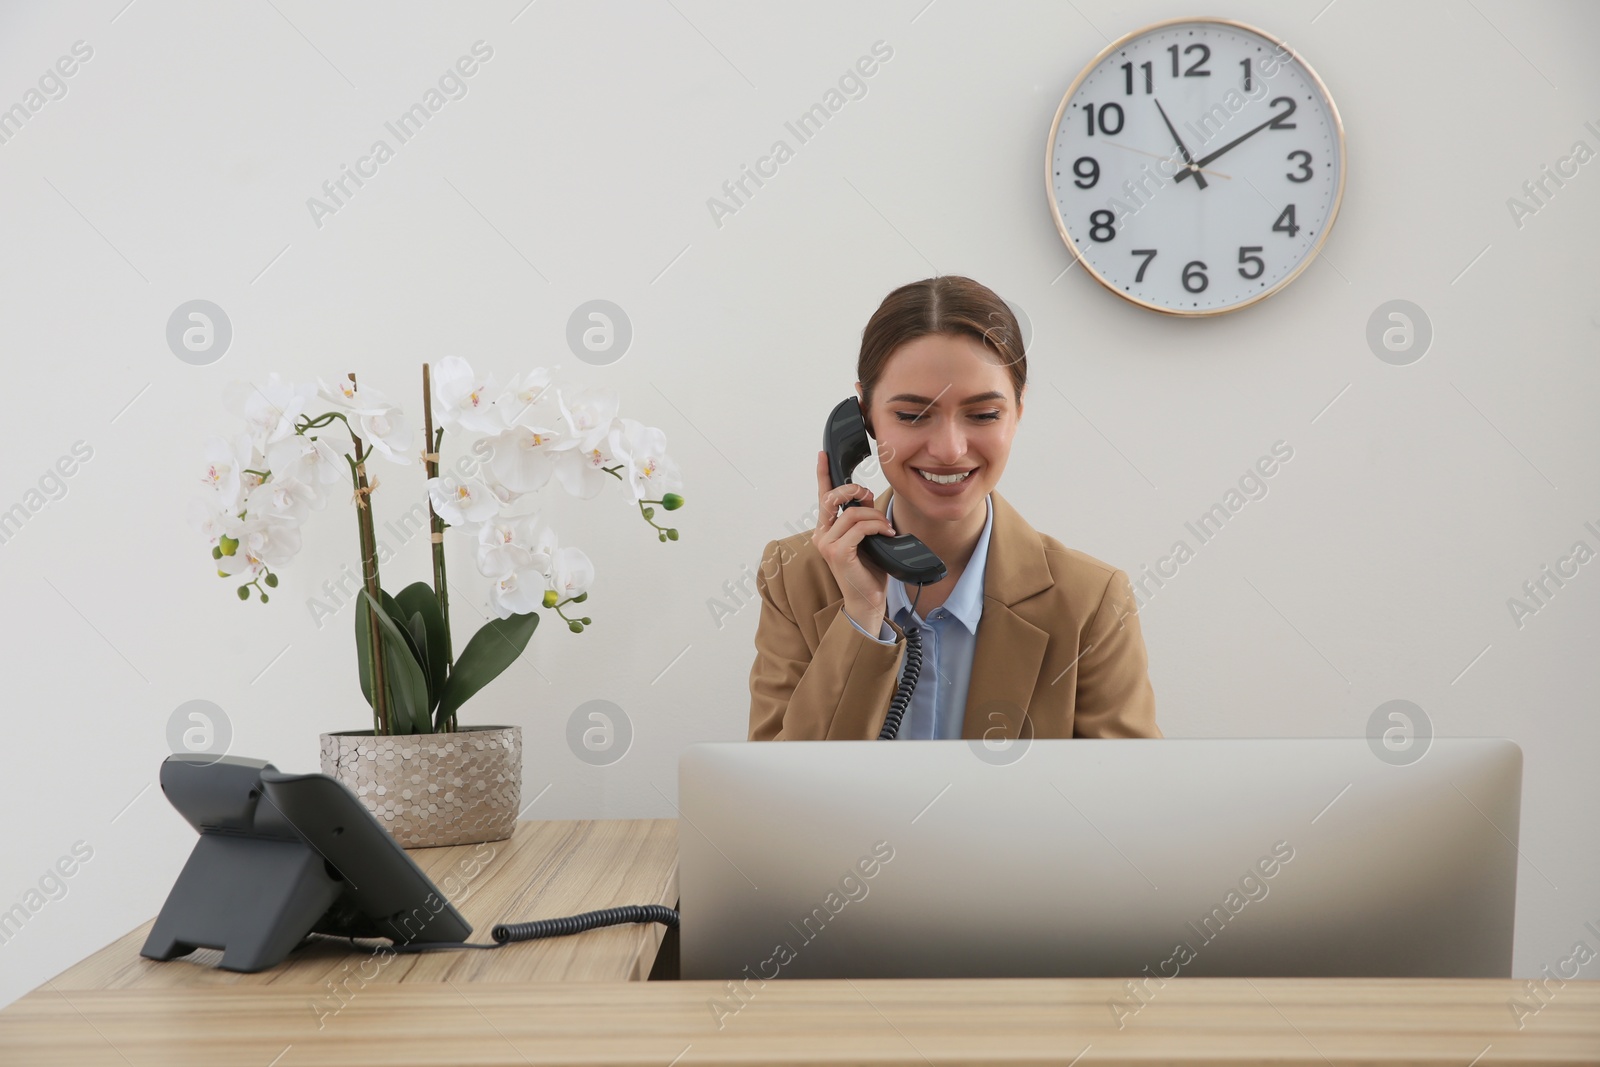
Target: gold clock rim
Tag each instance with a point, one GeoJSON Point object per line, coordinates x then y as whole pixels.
{"type": "Point", "coordinates": [1055, 126]}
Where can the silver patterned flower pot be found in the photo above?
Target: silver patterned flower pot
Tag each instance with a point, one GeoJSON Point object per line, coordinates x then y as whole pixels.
{"type": "Point", "coordinates": [457, 788]}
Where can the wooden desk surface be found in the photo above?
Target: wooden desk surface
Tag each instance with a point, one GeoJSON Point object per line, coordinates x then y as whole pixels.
{"type": "Point", "coordinates": [576, 999]}
{"type": "Point", "coordinates": [1211, 1021]}
{"type": "Point", "coordinates": [545, 870]}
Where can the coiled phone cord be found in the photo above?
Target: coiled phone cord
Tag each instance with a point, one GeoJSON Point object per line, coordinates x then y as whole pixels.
{"type": "Point", "coordinates": [509, 933]}
{"type": "Point", "coordinates": [908, 679]}
{"type": "Point", "coordinates": [505, 933]}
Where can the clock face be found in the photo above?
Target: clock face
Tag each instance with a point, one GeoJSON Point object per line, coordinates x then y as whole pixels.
{"type": "Point", "coordinates": [1195, 166]}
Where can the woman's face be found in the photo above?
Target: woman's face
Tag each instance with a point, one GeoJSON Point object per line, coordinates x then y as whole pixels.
{"type": "Point", "coordinates": [943, 405]}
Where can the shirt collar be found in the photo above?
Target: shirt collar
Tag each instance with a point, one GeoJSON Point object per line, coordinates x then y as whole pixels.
{"type": "Point", "coordinates": [966, 600]}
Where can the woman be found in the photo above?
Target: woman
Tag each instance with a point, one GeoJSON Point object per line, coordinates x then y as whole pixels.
{"type": "Point", "coordinates": [1023, 637]}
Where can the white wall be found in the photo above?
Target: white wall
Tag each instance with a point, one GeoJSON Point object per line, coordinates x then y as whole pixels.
{"type": "Point", "coordinates": [579, 166]}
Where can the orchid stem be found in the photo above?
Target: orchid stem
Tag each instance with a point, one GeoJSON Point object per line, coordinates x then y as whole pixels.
{"type": "Point", "coordinates": [441, 588]}
{"type": "Point", "coordinates": [369, 571]}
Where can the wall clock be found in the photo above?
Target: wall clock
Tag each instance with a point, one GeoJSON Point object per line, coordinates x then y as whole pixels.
{"type": "Point", "coordinates": [1195, 166]}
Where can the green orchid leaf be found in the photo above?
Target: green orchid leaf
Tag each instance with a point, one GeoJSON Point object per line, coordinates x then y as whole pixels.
{"type": "Point", "coordinates": [364, 650]}
{"type": "Point", "coordinates": [418, 598]}
{"type": "Point", "coordinates": [491, 650]}
{"type": "Point", "coordinates": [406, 683]}
{"type": "Point", "coordinates": [402, 622]}
{"type": "Point", "coordinates": [417, 630]}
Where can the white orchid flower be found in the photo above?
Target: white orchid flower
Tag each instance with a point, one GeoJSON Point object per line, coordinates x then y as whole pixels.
{"type": "Point", "coordinates": [518, 593]}
{"type": "Point", "coordinates": [518, 404]}
{"type": "Point", "coordinates": [270, 410]}
{"type": "Point", "coordinates": [262, 544]}
{"type": "Point", "coordinates": [282, 500]}
{"type": "Point", "coordinates": [523, 590]}
{"type": "Point", "coordinates": [385, 432]}
{"type": "Point", "coordinates": [347, 396]}
{"type": "Point", "coordinates": [300, 459]}
{"type": "Point", "coordinates": [571, 572]}
{"type": "Point", "coordinates": [462, 400]}
{"type": "Point", "coordinates": [224, 472]}
{"type": "Point", "coordinates": [462, 502]}
{"type": "Point", "coordinates": [589, 414]}
{"type": "Point", "coordinates": [241, 562]}
{"type": "Point", "coordinates": [651, 472]}
{"type": "Point", "coordinates": [504, 546]}
{"type": "Point", "coordinates": [523, 458]}
{"type": "Point", "coordinates": [582, 473]}
{"type": "Point", "coordinates": [205, 516]}
{"type": "Point", "coordinates": [513, 505]}
{"type": "Point", "coordinates": [372, 417]}
{"type": "Point", "coordinates": [544, 543]}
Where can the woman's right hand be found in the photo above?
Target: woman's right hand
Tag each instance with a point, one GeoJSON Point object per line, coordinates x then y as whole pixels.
{"type": "Point", "coordinates": [838, 537]}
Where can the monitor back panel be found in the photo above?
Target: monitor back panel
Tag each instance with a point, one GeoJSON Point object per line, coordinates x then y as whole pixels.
{"type": "Point", "coordinates": [1097, 858]}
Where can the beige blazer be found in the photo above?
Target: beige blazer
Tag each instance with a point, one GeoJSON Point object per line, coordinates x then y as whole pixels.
{"type": "Point", "coordinates": [1059, 652]}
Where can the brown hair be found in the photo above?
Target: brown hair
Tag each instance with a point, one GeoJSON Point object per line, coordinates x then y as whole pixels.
{"type": "Point", "coordinates": [947, 304]}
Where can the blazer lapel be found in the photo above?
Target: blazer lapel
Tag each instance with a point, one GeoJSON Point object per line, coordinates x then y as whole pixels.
{"type": "Point", "coordinates": [1010, 650]}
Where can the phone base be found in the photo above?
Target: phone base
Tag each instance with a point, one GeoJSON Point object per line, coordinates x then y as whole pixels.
{"type": "Point", "coordinates": [255, 899]}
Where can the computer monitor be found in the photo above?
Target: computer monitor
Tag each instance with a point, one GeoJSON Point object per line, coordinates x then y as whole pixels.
{"type": "Point", "coordinates": [1099, 858]}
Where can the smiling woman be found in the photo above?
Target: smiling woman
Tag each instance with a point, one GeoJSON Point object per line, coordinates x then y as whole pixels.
{"type": "Point", "coordinates": [1059, 652]}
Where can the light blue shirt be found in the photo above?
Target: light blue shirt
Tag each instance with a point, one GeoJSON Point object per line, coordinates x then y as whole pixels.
{"type": "Point", "coordinates": [949, 637]}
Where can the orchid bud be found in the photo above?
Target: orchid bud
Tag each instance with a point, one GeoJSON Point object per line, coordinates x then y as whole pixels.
{"type": "Point", "coordinates": [550, 598]}
{"type": "Point", "coordinates": [672, 501]}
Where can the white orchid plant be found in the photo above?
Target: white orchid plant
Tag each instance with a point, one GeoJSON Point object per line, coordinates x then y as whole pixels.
{"type": "Point", "coordinates": [262, 484]}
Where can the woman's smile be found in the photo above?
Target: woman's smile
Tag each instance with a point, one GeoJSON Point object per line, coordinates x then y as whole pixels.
{"type": "Point", "coordinates": [941, 484]}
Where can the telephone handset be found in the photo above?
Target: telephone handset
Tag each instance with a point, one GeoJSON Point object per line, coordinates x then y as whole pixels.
{"type": "Point", "coordinates": [903, 556]}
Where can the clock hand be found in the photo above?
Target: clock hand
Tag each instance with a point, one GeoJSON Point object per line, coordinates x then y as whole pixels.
{"type": "Point", "coordinates": [1199, 179]}
{"type": "Point", "coordinates": [1158, 155]}
{"type": "Point", "coordinates": [1236, 142]}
